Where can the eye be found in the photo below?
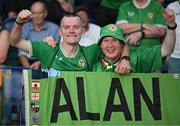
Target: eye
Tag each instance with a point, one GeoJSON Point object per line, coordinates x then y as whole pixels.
{"type": "Point", "coordinates": [76, 27]}
{"type": "Point", "coordinates": [66, 27]}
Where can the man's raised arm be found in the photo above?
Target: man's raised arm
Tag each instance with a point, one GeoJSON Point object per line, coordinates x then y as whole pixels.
{"type": "Point", "coordinates": [170, 38]}
{"type": "Point", "coordinates": [15, 35]}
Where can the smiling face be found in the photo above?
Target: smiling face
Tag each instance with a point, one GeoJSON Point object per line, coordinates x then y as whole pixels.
{"type": "Point", "coordinates": [71, 29]}
{"type": "Point", "coordinates": [112, 48]}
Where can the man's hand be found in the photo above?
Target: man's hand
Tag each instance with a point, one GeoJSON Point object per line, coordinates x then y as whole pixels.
{"type": "Point", "coordinates": [50, 41]}
{"type": "Point", "coordinates": [152, 29]}
{"type": "Point", "coordinates": [36, 65]}
{"type": "Point", "coordinates": [23, 16]}
{"type": "Point", "coordinates": [169, 16]}
{"type": "Point", "coordinates": [133, 39]}
{"type": "Point", "coordinates": [123, 67]}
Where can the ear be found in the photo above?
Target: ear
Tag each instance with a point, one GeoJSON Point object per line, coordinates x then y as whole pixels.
{"type": "Point", "coordinates": [45, 13]}
{"type": "Point", "coordinates": [60, 33]}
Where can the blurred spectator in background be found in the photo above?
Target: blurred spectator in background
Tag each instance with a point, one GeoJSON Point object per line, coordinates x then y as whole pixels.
{"type": "Point", "coordinates": [142, 22]}
{"type": "Point", "coordinates": [1, 9]}
{"type": "Point", "coordinates": [174, 60]}
{"type": "Point", "coordinates": [107, 12]}
{"type": "Point", "coordinates": [57, 9]}
{"type": "Point", "coordinates": [37, 29]}
{"type": "Point", "coordinates": [91, 31]}
{"type": "Point", "coordinates": [91, 5]}
{"type": "Point", "coordinates": [4, 44]}
{"type": "Point", "coordinates": [12, 7]}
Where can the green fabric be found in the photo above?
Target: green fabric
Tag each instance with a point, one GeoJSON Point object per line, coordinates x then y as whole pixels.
{"type": "Point", "coordinates": [142, 61]}
{"type": "Point", "coordinates": [114, 4]}
{"type": "Point", "coordinates": [113, 31]}
{"type": "Point", "coordinates": [159, 91]}
{"type": "Point", "coordinates": [85, 57]}
{"type": "Point", "coordinates": [152, 14]}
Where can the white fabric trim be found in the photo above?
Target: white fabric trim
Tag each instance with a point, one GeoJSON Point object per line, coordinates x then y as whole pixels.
{"type": "Point", "coordinates": [66, 55]}
{"type": "Point", "coordinates": [145, 5]}
{"type": "Point", "coordinates": [121, 21]}
{"type": "Point", "coordinates": [30, 49]}
{"type": "Point", "coordinates": [26, 92]}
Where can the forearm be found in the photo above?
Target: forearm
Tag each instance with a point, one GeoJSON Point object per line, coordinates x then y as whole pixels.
{"type": "Point", "coordinates": [125, 51]}
{"type": "Point", "coordinates": [24, 61]}
{"type": "Point", "coordinates": [158, 33]}
{"type": "Point", "coordinates": [15, 35]}
{"type": "Point", "coordinates": [168, 43]}
{"type": "Point", "coordinates": [4, 44]}
{"type": "Point", "coordinates": [129, 28]}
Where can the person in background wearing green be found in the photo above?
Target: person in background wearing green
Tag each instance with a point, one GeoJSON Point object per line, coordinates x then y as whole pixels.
{"type": "Point", "coordinates": [143, 60]}
{"type": "Point", "coordinates": [107, 11]}
{"type": "Point", "coordinates": [142, 22]}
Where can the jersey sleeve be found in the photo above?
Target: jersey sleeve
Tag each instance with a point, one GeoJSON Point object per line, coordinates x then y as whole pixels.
{"type": "Point", "coordinates": [159, 19]}
{"type": "Point", "coordinates": [149, 59]}
{"type": "Point", "coordinates": [122, 14]}
{"type": "Point", "coordinates": [42, 51]}
{"type": "Point", "coordinates": [92, 53]}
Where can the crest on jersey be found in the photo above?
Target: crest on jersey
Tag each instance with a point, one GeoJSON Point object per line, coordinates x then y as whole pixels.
{"type": "Point", "coordinates": [82, 62]}
{"type": "Point", "coordinates": [150, 15]}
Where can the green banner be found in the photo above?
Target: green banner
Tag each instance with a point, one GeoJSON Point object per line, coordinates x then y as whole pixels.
{"type": "Point", "coordinates": [89, 98]}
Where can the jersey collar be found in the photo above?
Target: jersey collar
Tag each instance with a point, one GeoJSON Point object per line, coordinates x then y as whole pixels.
{"type": "Point", "coordinates": [65, 54]}
{"type": "Point", "coordinates": [109, 65]}
{"type": "Point", "coordinates": [145, 5]}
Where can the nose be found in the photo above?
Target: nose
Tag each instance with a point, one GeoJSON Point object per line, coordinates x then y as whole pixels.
{"type": "Point", "coordinates": [110, 44]}
{"type": "Point", "coordinates": [71, 30]}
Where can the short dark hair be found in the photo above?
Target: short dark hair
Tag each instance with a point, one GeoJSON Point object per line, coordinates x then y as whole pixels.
{"type": "Point", "coordinates": [70, 15]}
{"type": "Point", "coordinates": [81, 8]}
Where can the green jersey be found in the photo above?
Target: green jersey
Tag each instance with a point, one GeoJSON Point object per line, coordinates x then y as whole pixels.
{"type": "Point", "coordinates": [143, 60]}
{"type": "Point", "coordinates": [151, 14]}
{"type": "Point", "coordinates": [113, 4]}
{"type": "Point", "coordinates": [56, 59]}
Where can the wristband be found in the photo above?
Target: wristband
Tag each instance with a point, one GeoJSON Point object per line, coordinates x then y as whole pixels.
{"type": "Point", "coordinates": [125, 57]}
{"type": "Point", "coordinates": [19, 23]}
{"type": "Point", "coordinates": [141, 27]}
{"type": "Point", "coordinates": [142, 33]}
{"type": "Point", "coordinates": [172, 27]}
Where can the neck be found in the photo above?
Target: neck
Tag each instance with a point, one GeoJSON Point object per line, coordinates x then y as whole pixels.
{"type": "Point", "coordinates": [38, 27]}
{"type": "Point", "coordinates": [85, 28]}
{"type": "Point", "coordinates": [141, 2]}
{"type": "Point", "coordinates": [69, 49]}
{"type": "Point", "coordinates": [111, 61]}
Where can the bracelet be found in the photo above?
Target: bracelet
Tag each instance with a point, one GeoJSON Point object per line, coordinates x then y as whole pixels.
{"type": "Point", "coordinates": [19, 23]}
{"type": "Point", "coordinates": [142, 33]}
{"type": "Point", "coordinates": [142, 26]}
{"type": "Point", "coordinates": [172, 27]}
{"type": "Point", "coordinates": [125, 57]}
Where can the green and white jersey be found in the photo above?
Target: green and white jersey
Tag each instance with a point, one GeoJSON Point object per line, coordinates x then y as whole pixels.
{"type": "Point", "coordinates": [56, 59]}
{"type": "Point", "coordinates": [143, 60]}
{"type": "Point", "coordinates": [113, 4]}
{"type": "Point", "coordinates": [151, 13]}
